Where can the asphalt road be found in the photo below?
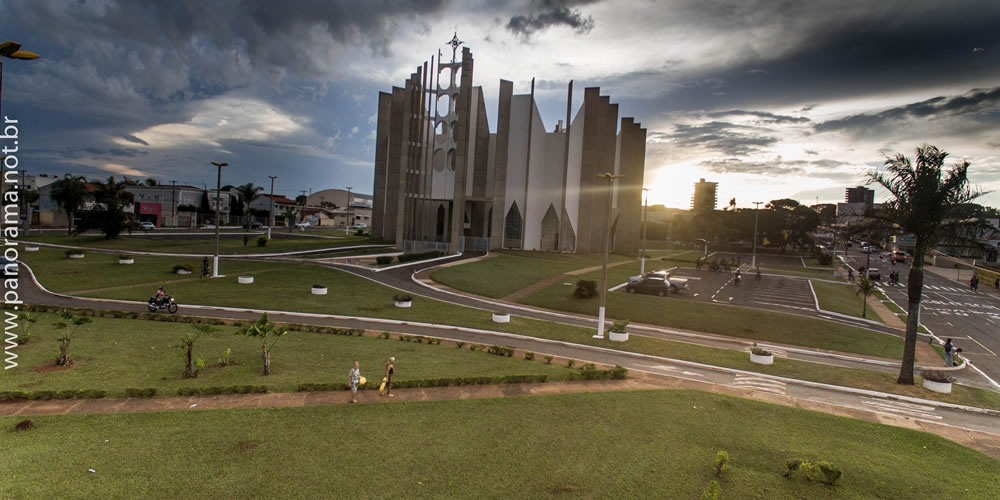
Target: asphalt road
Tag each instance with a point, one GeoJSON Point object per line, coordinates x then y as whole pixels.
{"type": "Point", "coordinates": [949, 309]}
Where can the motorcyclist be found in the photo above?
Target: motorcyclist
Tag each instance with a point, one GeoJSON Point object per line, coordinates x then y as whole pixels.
{"type": "Point", "coordinates": [850, 274]}
{"type": "Point", "coordinates": [758, 273]}
{"type": "Point", "coordinates": [738, 277]}
{"type": "Point", "coordinates": [161, 295]}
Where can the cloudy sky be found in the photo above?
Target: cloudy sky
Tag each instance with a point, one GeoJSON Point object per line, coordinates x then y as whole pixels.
{"type": "Point", "coordinates": [770, 99]}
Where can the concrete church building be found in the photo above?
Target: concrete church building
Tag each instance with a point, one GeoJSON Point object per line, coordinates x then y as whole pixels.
{"type": "Point", "coordinates": [444, 181]}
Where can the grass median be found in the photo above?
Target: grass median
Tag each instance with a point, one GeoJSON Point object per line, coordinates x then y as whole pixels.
{"type": "Point", "coordinates": [648, 443]}
{"type": "Point", "coordinates": [843, 299]}
{"type": "Point", "coordinates": [199, 243]}
{"type": "Point", "coordinates": [115, 354]}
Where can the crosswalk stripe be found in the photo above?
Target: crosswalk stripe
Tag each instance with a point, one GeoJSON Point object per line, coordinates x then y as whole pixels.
{"type": "Point", "coordinates": [901, 408]}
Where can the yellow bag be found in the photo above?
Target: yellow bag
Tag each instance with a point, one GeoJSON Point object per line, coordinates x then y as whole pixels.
{"type": "Point", "coordinates": [362, 380]}
{"type": "Point", "coordinates": [381, 388]}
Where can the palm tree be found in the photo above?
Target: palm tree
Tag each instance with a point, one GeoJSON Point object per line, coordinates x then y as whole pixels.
{"type": "Point", "coordinates": [69, 194]}
{"type": "Point", "coordinates": [866, 287]}
{"type": "Point", "coordinates": [113, 194]}
{"type": "Point", "coordinates": [289, 215]}
{"type": "Point", "coordinates": [248, 192]}
{"type": "Point", "coordinates": [924, 201]}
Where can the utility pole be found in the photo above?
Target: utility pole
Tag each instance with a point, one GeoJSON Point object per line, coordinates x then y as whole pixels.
{"type": "Point", "coordinates": [270, 215]}
{"type": "Point", "coordinates": [218, 206]}
{"type": "Point", "coordinates": [607, 244]}
{"type": "Point", "coordinates": [173, 202]}
{"type": "Point", "coordinates": [350, 219]}
{"type": "Point", "coordinates": [756, 213]}
{"type": "Point", "coordinates": [645, 208]}
{"type": "Point", "coordinates": [302, 211]}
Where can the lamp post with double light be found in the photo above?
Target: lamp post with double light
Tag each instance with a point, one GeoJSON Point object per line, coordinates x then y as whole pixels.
{"type": "Point", "coordinates": [270, 213]}
{"type": "Point", "coordinates": [756, 212]}
{"type": "Point", "coordinates": [606, 248]}
{"type": "Point", "coordinates": [645, 208]}
{"type": "Point", "coordinates": [218, 204]}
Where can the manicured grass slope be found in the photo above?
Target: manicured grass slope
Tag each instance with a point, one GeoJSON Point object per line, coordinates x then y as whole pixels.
{"type": "Point", "coordinates": [199, 243]}
{"type": "Point", "coordinates": [843, 299]}
{"type": "Point", "coordinates": [114, 354]}
{"type": "Point", "coordinates": [613, 445]}
{"type": "Point", "coordinates": [507, 273]}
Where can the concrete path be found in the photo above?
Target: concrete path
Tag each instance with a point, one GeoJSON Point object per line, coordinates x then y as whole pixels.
{"type": "Point", "coordinates": [221, 256]}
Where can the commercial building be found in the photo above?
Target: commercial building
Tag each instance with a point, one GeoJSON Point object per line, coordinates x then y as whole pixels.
{"type": "Point", "coordinates": [860, 194]}
{"type": "Point", "coordinates": [704, 198]}
{"type": "Point", "coordinates": [444, 180]}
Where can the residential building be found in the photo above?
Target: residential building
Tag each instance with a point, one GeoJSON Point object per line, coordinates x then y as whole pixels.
{"type": "Point", "coordinates": [860, 194]}
{"type": "Point", "coordinates": [705, 197]}
{"type": "Point", "coordinates": [444, 180]}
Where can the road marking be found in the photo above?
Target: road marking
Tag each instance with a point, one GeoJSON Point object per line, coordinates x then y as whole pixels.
{"type": "Point", "coordinates": [760, 384]}
{"type": "Point", "coordinates": [900, 408]}
{"type": "Point", "coordinates": [815, 299]}
{"type": "Point", "coordinates": [981, 345]}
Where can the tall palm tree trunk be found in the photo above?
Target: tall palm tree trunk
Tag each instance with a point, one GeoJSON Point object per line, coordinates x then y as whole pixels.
{"type": "Point", "coordinates": [69, 222]}
{"type": "Point", "coordinates": [914, 289]}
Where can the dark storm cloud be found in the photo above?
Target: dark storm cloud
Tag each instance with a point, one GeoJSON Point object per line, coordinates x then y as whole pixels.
{"type": "Point", "coordinates": [764, 116]}
{"type": "Point", "coordinates": [776, 167]}
{"type": "Point", "coordinates": [723, 137]}
{"type": "Point", "coordinates": [132, 138]}
{"type": "Point", "coordinates": [974, 102]}
{"type": "Point", "coordinates": [549, 13]}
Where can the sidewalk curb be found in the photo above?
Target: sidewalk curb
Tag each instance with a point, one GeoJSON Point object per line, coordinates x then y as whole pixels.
{"type": "Point", "coordinates": [247, 256]}
{"type": "Point", "coordinates": [835, 388]}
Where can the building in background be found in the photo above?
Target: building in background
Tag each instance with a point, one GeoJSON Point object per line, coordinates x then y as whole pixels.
{"type": "Point", "coordinates": [705, 196]}
{"type": "Point", "coordinates": [444, 181]}
{"type": "Point", "coordinates": [860, 194]}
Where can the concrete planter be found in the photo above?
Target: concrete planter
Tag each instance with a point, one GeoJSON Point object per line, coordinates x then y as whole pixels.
{"type": "Point", "coordinates": [943, 387]}
{"type": "Point", "coordinates": [618, 336]}
{"type": "Point", "coordinates": [77, 255]}
{"type": "Point", "coordinates": [762, 360]}
{"type": "Point", "coordinates": [501, 318]}
{"type": "Point", "coordinates": [183, 271]}
{"type": "Point", "coordinates": [126, 261]}
{"type": "Point", "coordinates": [321, 290]}
{"type": "Point", "coordinates": [30, 249]}
{"type": "Point", "coordinates": [403, 303]}
{"type": "Point", "coordinates": [245, 280]}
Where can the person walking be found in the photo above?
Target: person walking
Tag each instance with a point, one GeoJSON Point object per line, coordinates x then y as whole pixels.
{"type": "Point", "coordinates": [245, 240]}
{"type": "Point", "coordinates": [205, 269]}
{"type": "Point", "coordinates": [354, 378]}
{"type": "Point", "coordinates": [389, 370]}
{"type": "Point", "coordinates": [949, 348]}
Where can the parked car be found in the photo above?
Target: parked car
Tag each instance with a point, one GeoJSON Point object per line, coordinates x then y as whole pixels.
{"type": "Point", "coordinates": [302, 225]}
{"type": "Point", "coordinates": [360, 225]}
{"type": "Point", "coordinates": [654, 282]}
{"type": "Point", "coordinates": [874, 274]}
{"type": "Point", "coordinates": [866, 249]}
{"type": "Point", "coordinates": [900, 256]}
{"type": "Point", "coordinates": [147, 226]}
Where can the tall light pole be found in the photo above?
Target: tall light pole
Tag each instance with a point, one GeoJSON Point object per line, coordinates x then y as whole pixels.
{"type": "Point", "coordinates": [350, 219]}
{"type": "Point", "coordinates": [605, 247]}
{"type": "Point", "coordinates": [173, 202]}
{"type": "Point", "coordinates": [12, 50]}
{"type": "Point", "coordinates": [270, 214]}
{"type": "Point", "coordinates": [645, 207]}
{"type": "Point", "coordinates": [218, 204]}
{"type": "Point", "coordinates": [756, 212]}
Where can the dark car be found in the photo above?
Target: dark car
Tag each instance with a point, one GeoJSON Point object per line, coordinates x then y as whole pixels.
{"type": "Point", "coordinates": [651, 285]}
{"type": "Point", "coordinates": [253, 225]}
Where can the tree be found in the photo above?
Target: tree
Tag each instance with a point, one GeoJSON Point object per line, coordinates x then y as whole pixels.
{"type": "Point", "coordinates": [150, 181]}
{"type": "Point", "coordinates": [266, 331]}
{"type": "Point", "coordinates": [26, 320]}
{"type": "Point", "coordinates": [248, 192]}
{"type": "Point", "coordinates": [110, 218]}
{"type": "Point", "coordinates": [69, 319]}
{"type": "Point", "coordinates": [865, 286]}
{"type": "Point", "coordinates": [69, 193]}
{"type": "Point", "coordinates": [187, 345]}
{"type": "Point", "coordinates": [924, 201]}
{"type": "Point", "coordinates": [289, 215]}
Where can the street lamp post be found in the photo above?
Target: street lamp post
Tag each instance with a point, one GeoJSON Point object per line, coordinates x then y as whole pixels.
{"type": "Point", "coordinates": [12, 50]}
{"type": "Point", "coordinates": [270, 214]}
{"type": "Point", "coordinates": [756, 213]}
{"type": "Point", "coordinates": [218, 204]}
{"type": "Point", "coordinates": [606, 247]}
{"type": "Point", "coordinates": [645, 207]}
{"type": "Point", "coordinates": [350, 219]}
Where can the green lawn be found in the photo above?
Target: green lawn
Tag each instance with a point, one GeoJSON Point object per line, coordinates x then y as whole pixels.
{"type": "Point", "coordinates": [814, 262]}
{"type": "Point", "coordinates": [599, 445]}
{"type": "Point", "coordinates": [114, 354]}
{"type": "Point", "coordinates": [511, 271]}
{"type": "Point", "coordinates": [204, 244]}
{"type": "Point", "coordinates": [735, 321]}
{"type": "Point", "coordinates": [842, 299]}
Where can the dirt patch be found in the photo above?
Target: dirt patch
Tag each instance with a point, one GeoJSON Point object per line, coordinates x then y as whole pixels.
{"type": "Point", "coordinates": [246, 446]}
{"type": "Point", "coordinates": [48, 368]}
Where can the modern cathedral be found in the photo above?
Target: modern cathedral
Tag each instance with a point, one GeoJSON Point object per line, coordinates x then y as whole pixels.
{"type": "Point", "coordinates": [444, 181]}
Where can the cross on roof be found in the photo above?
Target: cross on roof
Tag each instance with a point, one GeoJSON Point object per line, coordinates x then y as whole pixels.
{"type": "Point", "coordinates": [454, 42]}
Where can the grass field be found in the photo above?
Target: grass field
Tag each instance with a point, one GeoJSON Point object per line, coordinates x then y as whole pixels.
{"type": "Point", "coordinates": [735, 321]}
{"type": "Point", "coordinates": [511, 271]}
{"type": "Point", "coordinates": [842, 299]}
{"type": "Point", "coordinates": [607, 445]}
{"type": "Point", "coordinates": [204, 244]}
{"type": "Point", "coordinates": [114, 354]}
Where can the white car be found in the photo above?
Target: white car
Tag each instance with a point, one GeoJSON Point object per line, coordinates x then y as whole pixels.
{"type": "Point", "coordinates": [147, 226]}
{"type": "Point", "coordinates": [302, 225]}
{"type": "Point", "coordinates": [360, 225]}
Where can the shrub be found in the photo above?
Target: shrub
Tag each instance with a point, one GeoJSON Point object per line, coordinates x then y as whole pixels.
{"type": "Point", "coordinates": [936, 376]}
{"type": "Point", "coordinates": [14, 395]}
{"type": "Point", "coordinates": [383, 260]}
{"type": "Point", "coordinates": [133, 392]}
{"type": "Point", "coordinates": [570, 363]}
{"type": "Point", "coordinates": [186, 267]}
{"type": "Point", "coordinates": [75, 252]}
{"type": "Point", "coordinates": [590, 372]}
{"type": "Point", "coordinates": [548, 360]}
{"type": "Point", "coordinates": [262, 241]}
{"type": "Point", "coordinates": [792, 465]}
{"type": "Point", "coordinates": [385, 335]}
{"type": "Point", "coordinates": [402, 298]}
{"type": "Point", "coordinates": [721, 462]}
{"type": "Point", "coordinates": [830, 472]}
{"type": "Point", "coordinates": [359, 232]}
{"type": "Point", "coordinates": [226, 359]}
{"type": "Point", "coordinates": [459, 344]}
{"type": "Point", "coordinates": [501, 351]}
{"type": "Point", "coordinates": [229, 389]}
{"type": "Point", "coordinates": [411, 257]}
{"type": "Point", "coordinates": [712, 492]}
{"type": "Point", "coordinates": [123, 256]}
{"type": "Point", "coordinates": [758, 351]}
{"type": "Point", "coordinates": [318, 286]}
{"type": "Point", "coordinates": [529, 356]}
{"type": "Point", "coordinates": [585, 289]}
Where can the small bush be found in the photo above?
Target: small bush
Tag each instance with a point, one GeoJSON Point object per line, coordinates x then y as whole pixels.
{"type": "Point", "coordinates": [133, 392]}
{"type": "Point", "coordinates": [721, 462]}
{"type": "Point", "coordinates": [318, 286]}
{"type": "Point", "coordinates": [936, 376]}
{"type": "Point", "coordinates": [712, 491]}
{"type": "Point", "coordinates": [501, 351]}
{"type": "Point", "coordinates": [185, 267]}
{"type": "Point", "coordinates": [262, 241]}
{"type": "Point", "coordinates": [226, 358]}
{"type": "Point", "coordinates": [123, 256]}
{"type": "Point", "coordinates": [570, 363]}
{"type": "Point", "coordinates": [529, 356]}
{"type": "Point", "coordinates": [75, 252]}
{"type": "Point", "coordinates": [830, 472]}
{"type": "Point", "coordinates": [758, 351]}
{"type": "Point", "coordinates": [548, 360]}
{"type": "Point", "coordinates": [229, 389]}
{"type": "Point", "coordinates": [402, 298]}
{"type": "Point", "coordinates": [792, 465]}
{"type": "Point", "coordinates": [459, 344]}
{"type": "Point", "coordinates": [585, 289]}
{"type": "Point", "coordinates": [385, 335]}
{"type": "Point", "coordinates": [412, 257]}
{"type": "Point", "coordinates": [590, 372]}
{"type": "Point", "coordinates": [383, 260]}
{"type": "Point", "coordinates": [14, 395]}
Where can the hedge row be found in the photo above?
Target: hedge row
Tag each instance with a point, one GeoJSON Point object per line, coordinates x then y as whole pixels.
{"type": "Point", "coordinates": [100, 313]}
{"type": "Point", "coordinates": [431, 382]}
{"type": "Point", "coordinates": [411, 257]}
{"type": "Point", "coordinates": [229, 389]}
{"type": "Point", "coordinates": [46, 395]}
{"type": "Point", "coordinates": [590, 372]}
{"type": "Point", "coordinates": [146, 392]}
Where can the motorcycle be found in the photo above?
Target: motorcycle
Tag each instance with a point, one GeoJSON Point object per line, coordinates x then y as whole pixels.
{"type": "Point", "coordinates": [737, 279]}
{"type": "Point", "coordinates": [167, 302]}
